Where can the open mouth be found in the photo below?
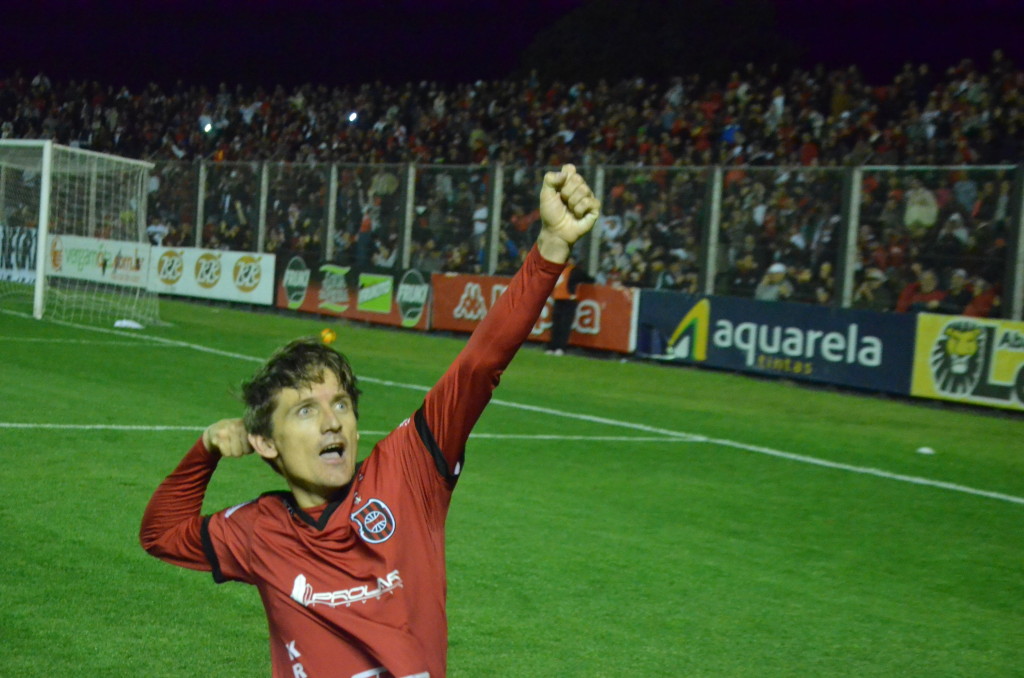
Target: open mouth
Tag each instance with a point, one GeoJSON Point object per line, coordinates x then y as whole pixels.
{"type": "Point", "coordinates": [333, 452]}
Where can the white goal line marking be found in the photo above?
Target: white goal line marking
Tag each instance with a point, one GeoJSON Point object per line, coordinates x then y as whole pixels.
{"type": "Point", "coordinates": [674, 435]}
{"type": "Point", "coordinates": [481, 436]}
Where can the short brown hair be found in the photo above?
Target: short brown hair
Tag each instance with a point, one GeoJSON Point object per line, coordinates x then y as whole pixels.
{"type": "Point", "coordinates": [300, 363]}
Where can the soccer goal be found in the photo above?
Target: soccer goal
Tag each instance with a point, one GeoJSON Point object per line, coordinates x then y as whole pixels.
{"type": "Point", "coordinates": [73, 239]}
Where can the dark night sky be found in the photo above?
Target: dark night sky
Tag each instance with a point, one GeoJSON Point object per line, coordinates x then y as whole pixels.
{"type": "Point", "coordinates": [354, 41]}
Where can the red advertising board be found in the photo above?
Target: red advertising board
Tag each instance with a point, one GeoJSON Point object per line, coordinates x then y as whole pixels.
{"type": "Point", "coordinates": [604, 317]}
{"type": "Point", "coordinates": [381, 298]}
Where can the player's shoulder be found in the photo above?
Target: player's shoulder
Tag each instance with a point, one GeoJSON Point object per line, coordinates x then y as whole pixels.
{"type": "Point", "coordinates": [268, 502]}
{"type": "Point", "coordinates": [396, 439]}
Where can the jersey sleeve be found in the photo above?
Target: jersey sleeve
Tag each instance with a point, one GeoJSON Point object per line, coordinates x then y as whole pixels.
{"type": "Point", "coordinates": [172, 525]}
{"type": "Point", "coordinates": [174, 530]}
{"type": "Point", "coordinates": [227, 538]}
{"type": "Point", "coordinates": [455, 403]}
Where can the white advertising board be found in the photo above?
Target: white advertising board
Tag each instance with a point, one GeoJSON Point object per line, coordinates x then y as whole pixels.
{"type": "Point", "coordinates": [213, 274]}
{"type": "Point", "coordinates": [113, 262]}
{"type": "Point", "coordinates": [17, 254]}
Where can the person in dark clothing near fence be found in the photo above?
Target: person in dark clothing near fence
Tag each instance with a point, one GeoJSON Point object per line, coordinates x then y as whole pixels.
{"type": "Point", "coordinates": [566, 302]}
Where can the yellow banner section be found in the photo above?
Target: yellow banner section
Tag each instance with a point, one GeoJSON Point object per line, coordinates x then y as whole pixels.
{"type": "Point", "coordinates": [969, 360]}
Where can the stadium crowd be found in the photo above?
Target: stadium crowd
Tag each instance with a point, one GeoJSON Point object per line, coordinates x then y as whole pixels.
{"type": "Point", "coordinates": [782, 136]}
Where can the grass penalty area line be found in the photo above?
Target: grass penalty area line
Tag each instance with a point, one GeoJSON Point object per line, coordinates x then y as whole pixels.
{"type": "Point", "coordinates": [673, 435]}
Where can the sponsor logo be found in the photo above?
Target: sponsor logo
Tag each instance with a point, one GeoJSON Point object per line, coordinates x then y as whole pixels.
{"type": "Point", "coordinates": [170, 267]}
{"type": "Point", "coordinates": [375, 293]}
{"type": "Point", "coordinates": [690, 340]}
{"type": "Point", "coordinates": [107, 261]}
{"type": "Point", "coordinates": [588, 317]}
{"type": "Point", "coordinates": [247, 273]}
{"type": "Point", "coordinates": [413, 292]}
{"type": "Point", "coordinates": [375, 522]}
{"type": "Point", "coordinates": [57, 254]}
{"type": "Point", "coordinates": [18, 254]}
{"type": "Point", "coordinates": [471, 304]}
{"type": "Point", "coordinates": [126, 264]}
{"type": "Point", "coordinates": [78, 258]}
{"type": "Point", "coordinates": [956, 358]}
{"type": "Point", "coordinates": [303, 594]}
{"type": "Point", "coordinates": [207, 270]}
{"type": "Point", "coordinates": [334, 288]}
{"type": "Point", "coordinates": [978, 360]}
{"type": "Point", "coordinates": [295, 282]}
{"type": "Point", "coordinates": [772, 347]}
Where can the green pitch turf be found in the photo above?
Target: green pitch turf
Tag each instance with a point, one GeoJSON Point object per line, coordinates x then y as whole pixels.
{"type": "Point", "coordinates": [614, 519]}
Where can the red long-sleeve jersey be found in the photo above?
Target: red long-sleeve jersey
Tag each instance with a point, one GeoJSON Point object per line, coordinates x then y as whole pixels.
{"type": "Point", "coordinates": [356, 587]}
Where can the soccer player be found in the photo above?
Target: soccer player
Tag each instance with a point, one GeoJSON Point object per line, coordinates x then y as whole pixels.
{"type": "Point", "coordinates": [350, 564]}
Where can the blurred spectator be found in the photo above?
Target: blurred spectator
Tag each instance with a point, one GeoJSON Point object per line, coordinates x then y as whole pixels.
{"type": "Point", "coordinates": [923, 295]}
{"type": "Point", "coordinates": [958, 295]}
{"type": "Point", "coordinates": [922, 209]}
{"type": "Point", "coordinates": [157, 232]}
{"type": "Point", "coordinates": [985, 299]}
{"type": "Point", "coordinates": [774, 286]}
{"type": "Point", "coordinates": [803, 118]}
{"type": "Point", "coordinates": [873, 293]}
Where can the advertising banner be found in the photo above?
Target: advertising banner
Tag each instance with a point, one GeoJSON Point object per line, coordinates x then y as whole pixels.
{"type": "Point", "coordinates": [801, 341]}
{"type": "Point", "coordinates": [18, 254]}
{"type": "Point", "coordinates": [330, 289]}
{"type": "Point", "coordinates": [113, 262]}
{"type": "Point", "coordinates": [213, 274]}
{"type": "Point", "coordinates": [969, 360]}
{"type": "Point", "coordinates": [604, 316]}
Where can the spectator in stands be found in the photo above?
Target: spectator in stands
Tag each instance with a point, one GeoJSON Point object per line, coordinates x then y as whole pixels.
{"type": "Point", "coordinates": [761, 117]}
{"type": "Point", "coordinates": [958, 295]}
{"type": "Point", "coordinates": [873, 293]}
{"type": "Point", "coordinates": [923, 295]}
{"type": "Point", "coordinates": [922, 209]}
{"type": "Point", "coordinates": [774, 286]}
{"type": "Point", "coordinates": [565, 304]}
{"type": "Point", "coordinates": [742, 277]}
{"type": "Point", "coordinates": [426, 257]}
{"type": "Point", "coordinates": [157, 232]}
{"type": "Point", "coordinates": [986, 299]}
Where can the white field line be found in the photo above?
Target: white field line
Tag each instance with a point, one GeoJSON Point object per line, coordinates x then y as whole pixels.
{"type": "Point", "coordinates": [141, 342]}
{"type": "Point", "coordinates": [479, 436]}
{"type": "Point", "coordinates": [675, 435]}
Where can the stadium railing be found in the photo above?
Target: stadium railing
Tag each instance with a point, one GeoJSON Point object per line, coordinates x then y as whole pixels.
{"type": "Point", "coordinates": [675, 227]}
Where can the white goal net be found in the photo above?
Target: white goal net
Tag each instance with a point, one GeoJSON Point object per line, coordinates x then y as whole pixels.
{"type": "Point", "coordinates": [73, 242]}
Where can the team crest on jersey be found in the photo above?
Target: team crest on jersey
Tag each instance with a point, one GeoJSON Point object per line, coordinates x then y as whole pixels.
{"type": "Point", "coordinates": [375, 521]}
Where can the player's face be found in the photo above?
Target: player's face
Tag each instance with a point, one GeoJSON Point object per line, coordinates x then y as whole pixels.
{"type": "Point", "coordinates": [315, 440]}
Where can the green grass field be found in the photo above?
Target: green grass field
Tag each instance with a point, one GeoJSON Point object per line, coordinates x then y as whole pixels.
{"type": "Point", "coordinates": [614, 519]}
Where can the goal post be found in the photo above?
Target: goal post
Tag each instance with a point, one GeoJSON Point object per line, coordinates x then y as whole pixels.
{"type": "Point", "coordinates": [73, 233]}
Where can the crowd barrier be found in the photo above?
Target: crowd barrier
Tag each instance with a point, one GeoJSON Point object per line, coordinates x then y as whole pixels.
{"type": "Point", "coordinates": [967, 360]}
{"type": "Point", "coordinates": [696, 226]}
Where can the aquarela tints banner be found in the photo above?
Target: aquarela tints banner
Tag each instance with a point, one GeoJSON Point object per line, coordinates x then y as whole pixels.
{"type": "Point", "coordinates": [861, 349]}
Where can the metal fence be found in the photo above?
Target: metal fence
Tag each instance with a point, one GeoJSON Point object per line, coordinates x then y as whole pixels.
{"type": "Point", "coordinates": [849, 237]}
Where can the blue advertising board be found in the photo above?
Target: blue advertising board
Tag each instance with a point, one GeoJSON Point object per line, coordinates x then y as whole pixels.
{"type": "Point", "coordinates": [862, 349]}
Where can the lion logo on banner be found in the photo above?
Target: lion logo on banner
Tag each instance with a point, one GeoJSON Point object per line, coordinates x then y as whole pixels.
{"type": "Point", "coordinates": [956, 358]}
